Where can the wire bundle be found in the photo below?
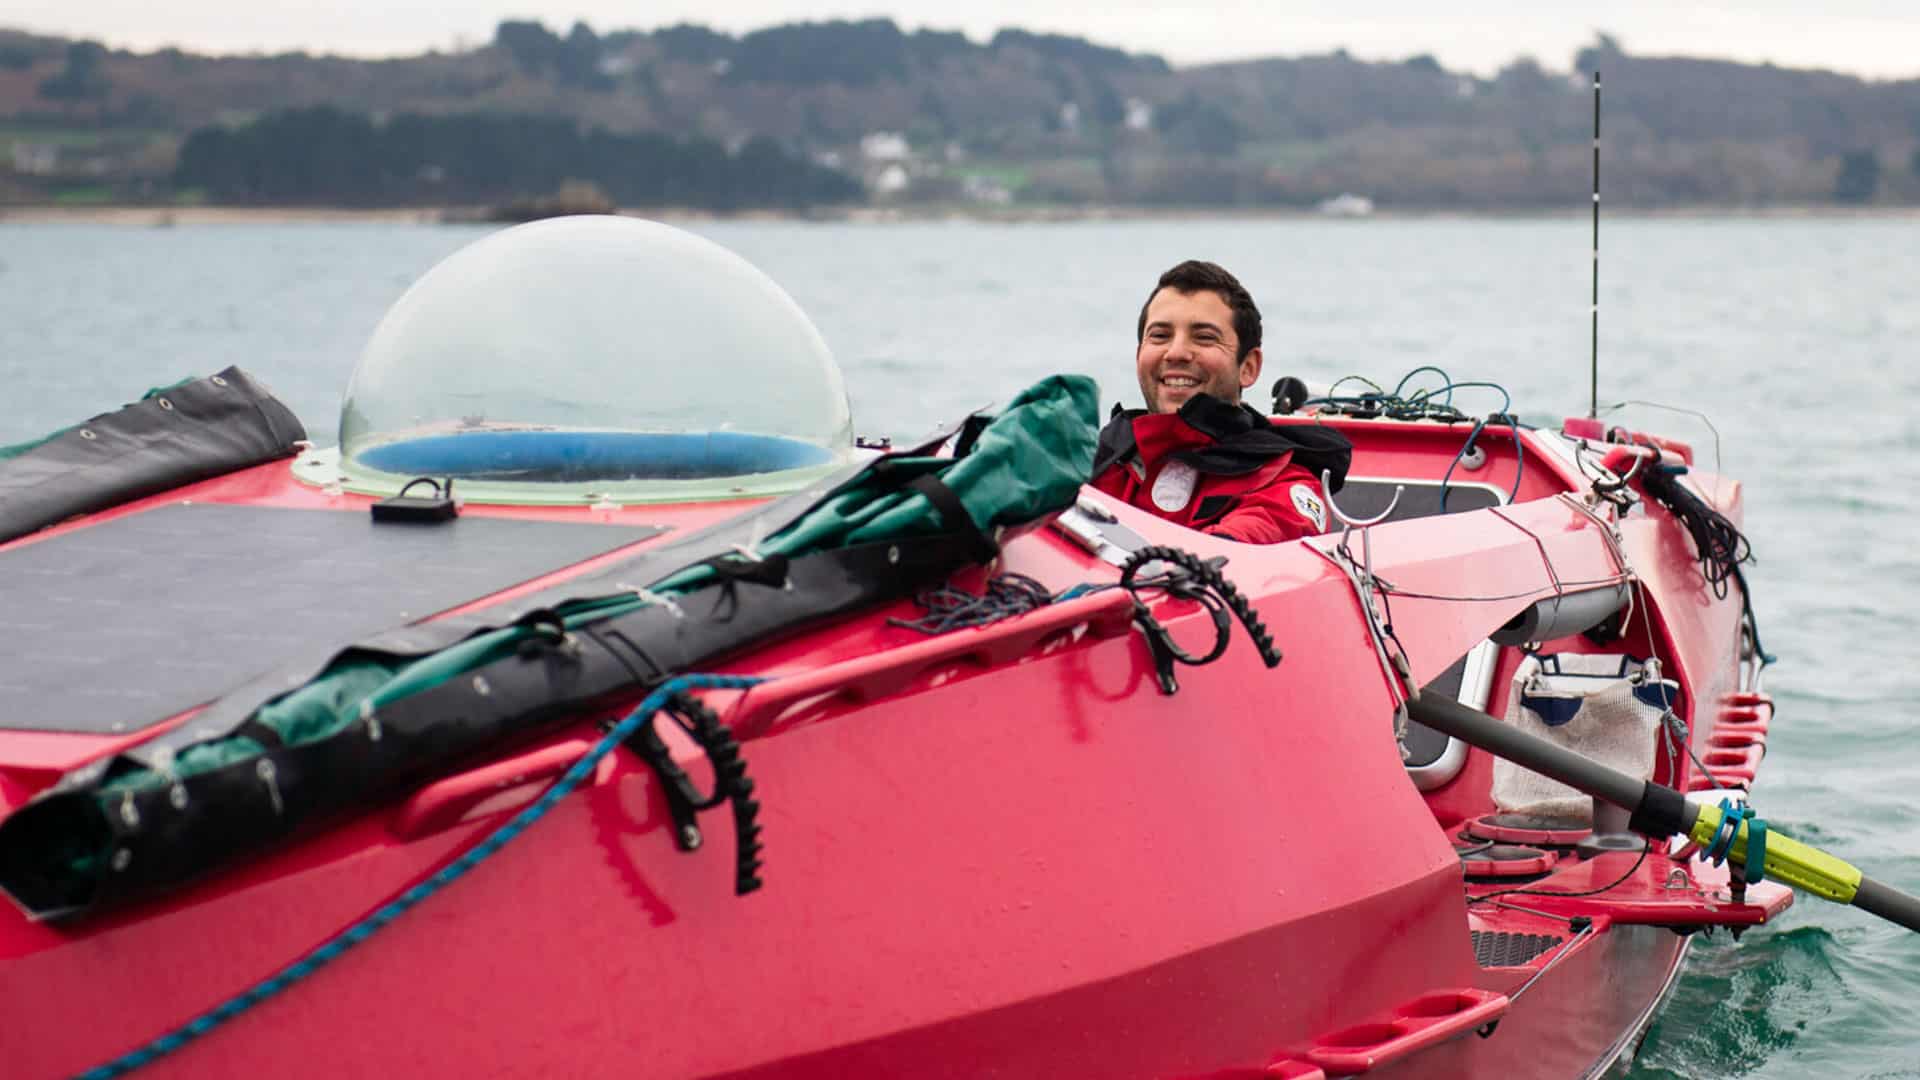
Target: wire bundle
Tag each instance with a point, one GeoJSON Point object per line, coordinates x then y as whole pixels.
{"type": "Point", "coordinates": [951, 608]}
{"type": "Point", "coordinates": [1721, 546]}
{"type": "Point", "coordinates": [1428, 404]}
{"type": "Point", "coordinates": [1434, 403]}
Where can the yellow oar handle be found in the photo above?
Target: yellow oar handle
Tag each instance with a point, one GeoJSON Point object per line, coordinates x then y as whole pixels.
{"type": "Point", "coordinates": [1802, 866]}
{"type": "Point", "coordinates": [1659, 811]}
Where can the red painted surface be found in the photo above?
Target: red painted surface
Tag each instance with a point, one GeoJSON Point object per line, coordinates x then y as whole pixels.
{"type": "Point", "coordinates": [1000, 851]}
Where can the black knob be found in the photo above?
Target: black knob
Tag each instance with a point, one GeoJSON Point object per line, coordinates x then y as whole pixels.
{"type": "Point", "coordinates": [1288, 394]}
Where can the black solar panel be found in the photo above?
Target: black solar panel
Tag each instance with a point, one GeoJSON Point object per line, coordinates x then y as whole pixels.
{"type": "Point", "coordinates": [119, 625]}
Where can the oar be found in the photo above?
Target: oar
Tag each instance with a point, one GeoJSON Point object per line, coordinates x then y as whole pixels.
{"type": "Point", "coordinates": [1660, 811]}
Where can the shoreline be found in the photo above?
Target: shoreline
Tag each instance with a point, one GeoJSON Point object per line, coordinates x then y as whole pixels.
{"type": "Point", "coordinates": [166, 216]}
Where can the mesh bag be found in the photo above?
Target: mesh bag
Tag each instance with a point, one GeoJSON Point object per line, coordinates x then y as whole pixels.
{"type": "Point", "coordinates": [1605, 707]}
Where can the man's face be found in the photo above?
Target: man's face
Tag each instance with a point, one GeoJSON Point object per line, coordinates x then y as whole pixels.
{"type": "Point", "coordinates": [1188, 348]}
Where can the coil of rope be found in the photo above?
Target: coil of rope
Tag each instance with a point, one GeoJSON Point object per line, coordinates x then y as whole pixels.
{"type": "Point", "coordinates": [952, 608]}
{"type": "Point", "coordinates": [1720, 545]}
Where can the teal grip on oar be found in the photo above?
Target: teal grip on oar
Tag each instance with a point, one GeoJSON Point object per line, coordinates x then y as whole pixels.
{"type": "Point", "coordinates": [1727, 830]}
{"type": "Point", "coordinates": [1756, 865]}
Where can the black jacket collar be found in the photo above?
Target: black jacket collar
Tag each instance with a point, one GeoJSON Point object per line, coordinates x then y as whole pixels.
{"type": "Point", "coordinates": [1243, 441]}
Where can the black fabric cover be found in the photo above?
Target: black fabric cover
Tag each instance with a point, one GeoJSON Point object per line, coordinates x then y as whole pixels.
{"type": "Point", "coordinates": [126, 622]}
{"type": "Point", "coordinates": [1364, 498]}
{"type": "Point", "coordinates": [173, 437]}
{"type": "Point", "coordinates": [163, 836]}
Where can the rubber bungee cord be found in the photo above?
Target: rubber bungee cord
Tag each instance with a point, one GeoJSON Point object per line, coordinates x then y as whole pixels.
{"type": "Point", "coordinates": [1211, 590]}
{"type": "Point", "coordinates": [377, 920]}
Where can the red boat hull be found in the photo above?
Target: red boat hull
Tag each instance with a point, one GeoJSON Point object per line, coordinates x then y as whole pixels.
{"type": "Point", "coordinates": [998, 852]}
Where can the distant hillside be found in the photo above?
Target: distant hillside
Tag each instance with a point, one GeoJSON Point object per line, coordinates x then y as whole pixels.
{"type": "Point", "coordinates": [937, 117]}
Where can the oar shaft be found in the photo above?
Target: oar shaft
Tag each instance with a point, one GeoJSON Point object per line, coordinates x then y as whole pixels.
{"type": "Point", "coordinates": [1502, 739]}
{"type": "Point", "coordinates": [1889, 903]}
{"type": "Point", "coordinates": [1661, 811]}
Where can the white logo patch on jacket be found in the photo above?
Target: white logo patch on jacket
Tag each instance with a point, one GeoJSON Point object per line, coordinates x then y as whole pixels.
{"type": "Point", "coordinates": [1307, 501]}
{"type": "Point", "coordinates": [1173, 488]}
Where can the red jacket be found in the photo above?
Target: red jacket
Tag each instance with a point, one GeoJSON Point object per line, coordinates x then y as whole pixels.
{"type": "Point", "coordinates": [1222, 469]}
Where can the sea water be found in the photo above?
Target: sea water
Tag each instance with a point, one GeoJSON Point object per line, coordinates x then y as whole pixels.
{"type": "Point", "coordinates": [1794, 336]}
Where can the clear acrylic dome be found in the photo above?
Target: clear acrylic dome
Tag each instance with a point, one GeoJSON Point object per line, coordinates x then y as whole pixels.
{"type": "Point", "coordinates": [600, 356]}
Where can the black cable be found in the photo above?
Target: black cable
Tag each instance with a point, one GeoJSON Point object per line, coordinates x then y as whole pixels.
{"type": "Point", "coordinates": [1460, 455]}
{"type": "Point", "coordinates": [1720, 547]}
{"type": "Point", "coordinates": [1397, 404]}
{"type": "Point", "coordinates": [1646, 846]}
{"type": "Point", "coordinates": [950, 608]}
{"type": "Point", "coordinates": [1753, 621]}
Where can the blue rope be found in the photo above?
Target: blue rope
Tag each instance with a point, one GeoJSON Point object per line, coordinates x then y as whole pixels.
{"type": "Point", "coordinates": [366, 927]}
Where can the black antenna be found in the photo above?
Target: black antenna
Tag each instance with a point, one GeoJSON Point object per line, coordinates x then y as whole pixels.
{"type": "Point", "coordinates": [1594, 409]}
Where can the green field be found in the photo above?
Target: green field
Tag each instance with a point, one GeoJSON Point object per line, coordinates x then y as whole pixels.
{"type": "Point", "coordinates": [1007, 174]}
{"type": "Point", "coordinates": [80, 137]}
{"type": "Point", "coordinates": [1287, 153]}
{"type": "Point", "coordinates": [92, 195]}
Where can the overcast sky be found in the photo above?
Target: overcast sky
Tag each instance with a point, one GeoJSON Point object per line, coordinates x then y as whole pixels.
{"type": "Point", "coordinates": [1876, 38]}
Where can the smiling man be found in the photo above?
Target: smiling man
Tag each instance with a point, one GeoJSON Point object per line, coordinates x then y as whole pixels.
{"type": "Point", "coordinates": [1196, 454]}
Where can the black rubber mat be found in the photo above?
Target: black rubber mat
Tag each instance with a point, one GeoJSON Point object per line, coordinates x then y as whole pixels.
{"type": "Point", "coordinates": [123, 624]}
{"type": "Point", "coordinates": [1363, 497]}
{"type": "Point", "coordinates": [1491, 949]}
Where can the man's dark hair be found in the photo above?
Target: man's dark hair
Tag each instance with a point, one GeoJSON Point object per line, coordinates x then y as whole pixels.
{"type": "Point", "coordinates": [1195, 276]}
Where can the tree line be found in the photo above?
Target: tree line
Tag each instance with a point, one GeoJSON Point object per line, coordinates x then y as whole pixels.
{"type": "Point", "coordinates": [836, 52]}
{"type": "Point", "coordinates": [670, 114]}
{"type": "Point", "coordinates": [329, 155]}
